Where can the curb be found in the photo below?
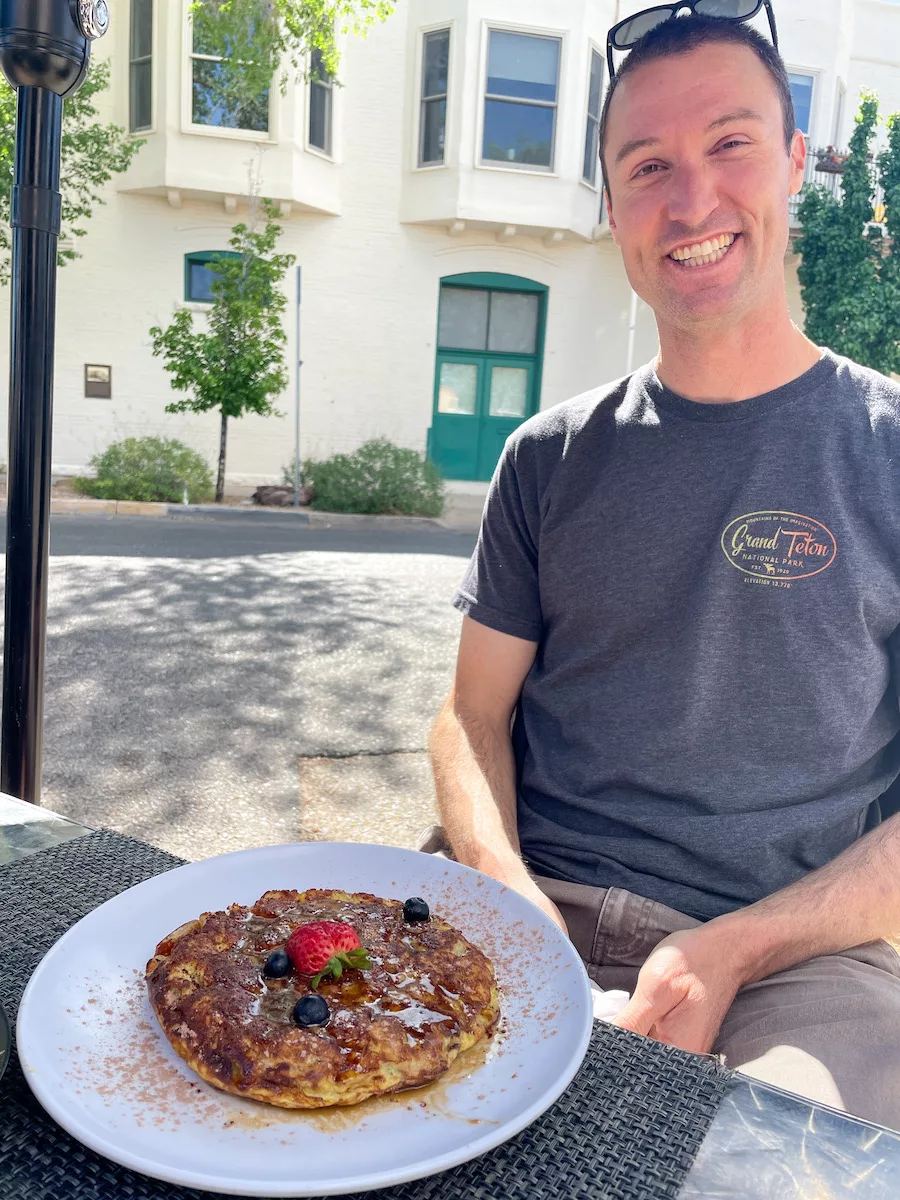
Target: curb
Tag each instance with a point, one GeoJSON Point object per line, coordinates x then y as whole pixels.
{"type": "Point", "coordinates": [215, 512]}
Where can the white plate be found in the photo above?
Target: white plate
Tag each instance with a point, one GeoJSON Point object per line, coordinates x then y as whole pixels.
{"type": "Point", "coordinates": [99, 1063]}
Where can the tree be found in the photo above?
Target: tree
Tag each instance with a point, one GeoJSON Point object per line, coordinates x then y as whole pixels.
{"type": "Point", "coordinates": [850, 270]}
{"type": "Point", "coordinates": [91, 154]}
{"type": "Point", "coordinates": [237, 366]}
{"type": "Point", "coordinates": [259, 40]}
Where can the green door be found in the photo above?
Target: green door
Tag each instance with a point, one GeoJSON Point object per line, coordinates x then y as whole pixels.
{"type": "Point", "coordinates": [487, 376]}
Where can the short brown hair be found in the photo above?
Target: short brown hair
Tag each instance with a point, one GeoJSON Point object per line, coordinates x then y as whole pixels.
{"type": "Point", "coordinates": [684, 34]}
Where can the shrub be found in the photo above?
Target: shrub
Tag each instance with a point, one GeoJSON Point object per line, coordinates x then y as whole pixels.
{"type": "Point", "coordinates": [148, 468]}
{"type": "Point", "coordinates": [377, 478]}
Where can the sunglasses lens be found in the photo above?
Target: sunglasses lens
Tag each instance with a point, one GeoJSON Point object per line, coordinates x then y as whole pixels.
{"type": "Point", "coordinates": [630, 33]}
{"type": "Point", "coordinates": [736, 9]}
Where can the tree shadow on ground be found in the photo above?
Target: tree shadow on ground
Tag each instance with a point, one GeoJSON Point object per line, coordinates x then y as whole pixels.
{"type": "Point", "coordinates": [180, 693]}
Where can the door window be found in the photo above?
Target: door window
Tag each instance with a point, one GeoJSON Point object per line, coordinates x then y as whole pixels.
{"type": "Point", "coordinates": [509, 392]}
{"type": "Point", "coordinates": [458, 388]}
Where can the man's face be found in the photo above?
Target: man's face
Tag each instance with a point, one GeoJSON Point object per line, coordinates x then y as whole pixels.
{"type": "Point", "coordinates": [695, 154]}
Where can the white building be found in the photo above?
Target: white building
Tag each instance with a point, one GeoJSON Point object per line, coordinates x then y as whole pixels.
{"type": "Point", "coordinates": [443, 203]}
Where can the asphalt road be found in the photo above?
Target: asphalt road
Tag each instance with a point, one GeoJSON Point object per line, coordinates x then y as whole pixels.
{"type": "Point", "coordinates": [218, 684]}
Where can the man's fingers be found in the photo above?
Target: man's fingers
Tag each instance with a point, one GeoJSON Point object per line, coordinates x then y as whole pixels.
{"type": "Point", "coordinates": [638, 1016]}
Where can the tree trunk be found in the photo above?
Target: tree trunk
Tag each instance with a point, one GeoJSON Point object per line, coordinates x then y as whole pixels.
{"type": "Point", "coordinates": [220, 481]}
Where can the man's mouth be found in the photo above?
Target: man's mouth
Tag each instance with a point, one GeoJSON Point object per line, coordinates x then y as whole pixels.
{"type": "Point", "coordinates": [702, 254]}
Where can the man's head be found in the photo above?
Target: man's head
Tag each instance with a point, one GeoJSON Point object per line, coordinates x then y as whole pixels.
{"type": "Point", "coordinates": [698, 144]}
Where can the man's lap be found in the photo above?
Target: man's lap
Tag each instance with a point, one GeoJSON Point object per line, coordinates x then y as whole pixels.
{"type": "Point", "coordinates": [828, 1029]}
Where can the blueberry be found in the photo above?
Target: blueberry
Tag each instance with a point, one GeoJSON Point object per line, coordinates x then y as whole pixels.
{"type": "Point", "coordinates": [278, 964]}
{"type": "Point", "coordinates": [415, 909]}
{"type": "Point", "coordinates": [311, 1010]}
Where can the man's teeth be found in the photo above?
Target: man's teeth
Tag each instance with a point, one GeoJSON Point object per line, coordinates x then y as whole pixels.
{"type": "Point", "coordinates": [702, 253]}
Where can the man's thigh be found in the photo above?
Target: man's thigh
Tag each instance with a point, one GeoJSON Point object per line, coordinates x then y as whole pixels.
{"type": "Point", "coordinates": [828, 1028]}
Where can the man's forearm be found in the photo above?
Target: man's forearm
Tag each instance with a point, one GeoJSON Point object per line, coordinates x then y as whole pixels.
{"type": "Point", "coordinates": [852, 900]}
{"type": "Point", "coordinates": [475, 779]}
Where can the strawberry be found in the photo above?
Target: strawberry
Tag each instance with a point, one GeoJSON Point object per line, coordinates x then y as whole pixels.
{"type": "Point", "coordinates": [326, 948]}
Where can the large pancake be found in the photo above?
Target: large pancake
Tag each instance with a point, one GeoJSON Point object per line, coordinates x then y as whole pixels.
{"type": "Point", "coordinates": [429, 996]}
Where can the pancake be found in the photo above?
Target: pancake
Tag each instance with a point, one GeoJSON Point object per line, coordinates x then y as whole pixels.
{"type": "Point", "coordinates": [428, 997]}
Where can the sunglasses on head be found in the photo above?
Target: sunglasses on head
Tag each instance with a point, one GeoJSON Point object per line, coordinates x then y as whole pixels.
{"type": "Point", "coordinates": [630, 31]}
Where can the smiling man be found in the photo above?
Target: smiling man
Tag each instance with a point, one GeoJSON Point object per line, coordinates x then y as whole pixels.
{"type": "Point", "coordinates": [674, 724]}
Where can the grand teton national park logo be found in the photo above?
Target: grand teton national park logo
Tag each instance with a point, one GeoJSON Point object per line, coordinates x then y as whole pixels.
{"type": "Point", "coordinates": [778, 547]}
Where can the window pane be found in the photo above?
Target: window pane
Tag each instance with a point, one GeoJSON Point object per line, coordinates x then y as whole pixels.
{"type": "Point", "coordinates": [509, 392]}
{"type": "Point", "coordinates": [141, 28]}
{"type": "Point", "coordinates": [200, 277]}
{"type": "Point", "coordinates": [462, 324]}
{"type": "Point", "coordinates": [801, 90]}
{"type": "Point", "coordinates": [596, 87]}
{"type": "Point", "coordinates": [437, 55]}
{"type": "Point", "coordinates": [519, 65]}
{"type": "Point", "coordinates": [591, 150]}
{"type": "Point", "coordinates": [320, 117]}
{"type": "Point", "coordinates": [514, 318]}
{"type": "Point", "coordinates": [139, 115]}
{"type": "Point", "coordinates": [434, 115]}
{"type": "Point", "coordinates": [209, 107]}
{"type": "Point", "coordinates": [458, 388]}
{"type": "Point", "coordinates": [519, 133]}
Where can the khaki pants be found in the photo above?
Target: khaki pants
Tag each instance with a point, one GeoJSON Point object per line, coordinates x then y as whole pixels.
{"type": "Point", "coordinates": [827, 1029]}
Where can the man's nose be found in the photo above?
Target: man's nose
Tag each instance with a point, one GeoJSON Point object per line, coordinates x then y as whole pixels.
{"type": "Point", "coordinates": [692, 194]}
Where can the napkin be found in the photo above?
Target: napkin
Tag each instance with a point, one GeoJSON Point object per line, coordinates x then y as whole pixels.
{"type": "Point", "coordinates": [607, 1004]}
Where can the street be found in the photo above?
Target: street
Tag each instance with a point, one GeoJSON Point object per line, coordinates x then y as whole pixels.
{"type": "Point", "coordinates": [218, 684]}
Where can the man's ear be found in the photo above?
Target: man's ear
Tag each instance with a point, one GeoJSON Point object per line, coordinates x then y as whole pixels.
{"type": "Point", "coordinates": [798, 162]}
{"type": "Point", "coordinates": [612, 220]}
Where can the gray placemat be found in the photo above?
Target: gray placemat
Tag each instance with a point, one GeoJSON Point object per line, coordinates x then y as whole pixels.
{"type": "Point", "coordinates": [627, 1128]}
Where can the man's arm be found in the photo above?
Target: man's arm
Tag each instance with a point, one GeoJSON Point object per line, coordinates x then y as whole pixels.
{"type": "Point", "coordinates": [689, 981]}
{"type": "Point", "coordinates": [473, 762]}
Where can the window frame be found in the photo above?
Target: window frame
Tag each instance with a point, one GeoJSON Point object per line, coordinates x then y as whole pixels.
{"type": "Point", "coordinates": [491, 164]}
{"type": "Point", "coordinates": [596, 184]}
{"type": "Point", "coordinates": [840, 107]}
{"type": "Point", "coordinates": [308, 144]}
{"type": "Point", "coordinates": [813, 74]}
{"type": "Point", "coordinates": [187, 107]}
{"type": "Point", "coordinates": [151, 57]}
{"type": "Point", "coordinates": [201, 258]}
{"type": "Point", "coordinates": [423, 34]}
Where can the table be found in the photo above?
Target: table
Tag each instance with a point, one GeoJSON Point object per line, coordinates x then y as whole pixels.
{"type": "Point", "coordinates": [682, 1127]}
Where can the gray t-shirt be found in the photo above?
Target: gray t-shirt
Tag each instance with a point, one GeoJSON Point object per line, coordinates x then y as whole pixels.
{"type": "Point", "coordinates": [715, 590]}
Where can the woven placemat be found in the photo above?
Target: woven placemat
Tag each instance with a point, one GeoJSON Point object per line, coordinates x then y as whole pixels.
{"type": "Point", "coordinates": [627, 1128]}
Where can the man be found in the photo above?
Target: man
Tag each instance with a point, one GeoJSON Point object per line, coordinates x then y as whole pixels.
{"type": "Point", "coordinates": [687, 591]}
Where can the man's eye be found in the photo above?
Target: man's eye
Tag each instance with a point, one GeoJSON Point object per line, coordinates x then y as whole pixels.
{"type": "Point", "coordinates": [732, 142]}
{"type": "Point", "coordinates": [646, 169]}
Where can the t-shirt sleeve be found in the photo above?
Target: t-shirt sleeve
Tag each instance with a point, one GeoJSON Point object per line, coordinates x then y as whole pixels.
{"type": "Point", "coordinates": [500, 588]}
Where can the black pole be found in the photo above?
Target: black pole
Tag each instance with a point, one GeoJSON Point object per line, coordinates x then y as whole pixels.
{"type": "Point", "coordinates": [35, 220]}
{"type": "Point", "coordinates": [44, 51]}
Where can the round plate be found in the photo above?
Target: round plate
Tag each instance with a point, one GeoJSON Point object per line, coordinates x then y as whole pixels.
{"type": "Point", "coordinates": [5, 1041]}
{"type": "Point", "coordinates": [97, 1060]}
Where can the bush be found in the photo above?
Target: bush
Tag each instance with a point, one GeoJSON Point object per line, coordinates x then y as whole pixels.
{"type": "Point", "coordinates": [378, 478]}
{"type": "Point", "coordinates": [148, 468]}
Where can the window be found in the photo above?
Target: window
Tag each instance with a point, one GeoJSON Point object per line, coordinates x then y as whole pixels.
{"type": "Point", "coordinates": [140, 85]}
{"type": "Point", "coordinates": [592, 131]}
{"type": "Point", "coordinates": [838, 114]}
{"type": "Point", "coordinates": [520, 100]}
{"type": "Point", "coordinates": [200, 271]}
{"type": "Point", "coordinates": [802, 93]}
{"type": "Point", "coordinates": [218, 98]}
{"type": "Point", "coordinates": [433, 112]}
{"type": "Point", "coordinates": [321, 93]}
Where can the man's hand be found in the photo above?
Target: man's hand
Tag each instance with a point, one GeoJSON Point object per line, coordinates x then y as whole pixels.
{"type": "Point", "coordinates": [684, 990]}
